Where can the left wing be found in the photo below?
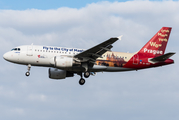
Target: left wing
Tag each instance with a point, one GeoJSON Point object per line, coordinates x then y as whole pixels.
{"type": "Point", "coordinates": [95, 52]}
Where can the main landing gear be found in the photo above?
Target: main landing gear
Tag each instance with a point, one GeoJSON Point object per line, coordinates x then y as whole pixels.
{"type": "Point", "coordinates": [28, 72]}
{"type": "Point", "coordinates": [82, 80]}
{"type": "Point", "coordinates": [86, 74]}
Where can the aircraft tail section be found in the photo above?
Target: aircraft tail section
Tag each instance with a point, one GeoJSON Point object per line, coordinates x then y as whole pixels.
{"type": "Point", "coordinates": [157, 44]}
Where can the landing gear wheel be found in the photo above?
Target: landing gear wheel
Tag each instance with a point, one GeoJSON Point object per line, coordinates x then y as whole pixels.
{"type": "Point", "coordinates": [86, 74]}
{"type": "Point", "coordinates": [27, 73]}
{"type": "Point", "coordinates": [82, 81]}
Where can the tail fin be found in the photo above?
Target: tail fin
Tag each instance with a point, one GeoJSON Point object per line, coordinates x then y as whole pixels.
{"type": "Point", "coordinates": [157, 44]}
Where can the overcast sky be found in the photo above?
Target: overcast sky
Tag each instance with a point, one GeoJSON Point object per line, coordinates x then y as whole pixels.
{"type": "Point", "coordinates": [150, 94]}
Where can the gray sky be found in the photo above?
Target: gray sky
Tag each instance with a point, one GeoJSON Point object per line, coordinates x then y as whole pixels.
{"type": "Point", "coordinates": [142, 95]}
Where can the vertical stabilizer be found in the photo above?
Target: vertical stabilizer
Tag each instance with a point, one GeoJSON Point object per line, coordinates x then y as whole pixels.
{"type": "Point", "coordinates": [157, 44]}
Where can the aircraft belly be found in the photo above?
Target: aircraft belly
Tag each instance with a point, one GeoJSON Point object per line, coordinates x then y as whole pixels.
{"type": "Point", "coordinates": [98, 68]}
{"type": "Point", "coordinates": [117, 69]}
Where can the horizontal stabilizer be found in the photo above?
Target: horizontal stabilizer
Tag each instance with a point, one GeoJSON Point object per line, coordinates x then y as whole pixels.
{"type": "Point", "coordinates": [162, 57]}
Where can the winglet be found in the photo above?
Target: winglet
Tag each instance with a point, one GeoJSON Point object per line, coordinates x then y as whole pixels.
{"type": "Point", "coordinates": [120, 37]}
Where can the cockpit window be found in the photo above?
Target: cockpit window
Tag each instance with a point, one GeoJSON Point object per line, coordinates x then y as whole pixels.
{"type": "Point", "coordinates": [16, 49]}
{"type": "Point", "coordinates": [13, 49]}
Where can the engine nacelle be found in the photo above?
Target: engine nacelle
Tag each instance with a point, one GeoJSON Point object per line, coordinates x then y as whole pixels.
{"type": "Point", "coordinates": [62, 61]}
{"type": "Point", "coordinates": [55, 73]}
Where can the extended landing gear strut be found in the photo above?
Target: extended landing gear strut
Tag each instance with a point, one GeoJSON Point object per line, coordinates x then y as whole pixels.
{"type": "Point", "coordinates": [86, 75]}
{"type": "Point", "coordinates": [28, 72]}
{"type": "Point", "coordinates": [81, 81]}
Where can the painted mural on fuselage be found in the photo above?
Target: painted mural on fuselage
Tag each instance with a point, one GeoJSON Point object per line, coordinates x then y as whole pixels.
{"type": "Point", "coordinates": [114, 59]}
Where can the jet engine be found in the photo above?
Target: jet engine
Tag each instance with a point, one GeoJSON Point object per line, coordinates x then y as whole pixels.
{"type": "Point", "coordinates": [55, 73]}
{"type": "Point", "coordinates": [63, 61]}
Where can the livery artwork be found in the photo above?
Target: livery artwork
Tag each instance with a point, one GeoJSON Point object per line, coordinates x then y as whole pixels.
{"type": "Point", "coordinates": [40, 56]}
{"type": "Point", "coordinates": [112, 61]}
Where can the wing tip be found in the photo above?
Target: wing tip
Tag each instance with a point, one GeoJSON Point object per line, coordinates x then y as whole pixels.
{"type": "Point", "coordinates": [120, 37]}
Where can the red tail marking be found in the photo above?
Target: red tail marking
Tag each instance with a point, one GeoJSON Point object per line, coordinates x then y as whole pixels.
{"type": "Point", "coordinates": [155, 47]}
{"type": "Point", "coordinates": [157, 44]}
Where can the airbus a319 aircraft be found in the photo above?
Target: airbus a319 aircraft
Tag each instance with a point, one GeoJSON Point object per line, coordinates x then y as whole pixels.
{"type": "Point", "coordinates": [65, 62]}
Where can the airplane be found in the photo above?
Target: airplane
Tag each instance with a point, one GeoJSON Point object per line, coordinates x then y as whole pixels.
{"type": "Point", "coordinates": [65, 62]}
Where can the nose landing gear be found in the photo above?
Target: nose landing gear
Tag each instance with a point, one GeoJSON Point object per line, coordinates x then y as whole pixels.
{"type": "Point", "coordinates": [28, 72]}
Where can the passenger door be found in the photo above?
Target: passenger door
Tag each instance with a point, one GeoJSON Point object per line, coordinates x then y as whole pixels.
{"type": "Point", "coordinates": [30, 50]}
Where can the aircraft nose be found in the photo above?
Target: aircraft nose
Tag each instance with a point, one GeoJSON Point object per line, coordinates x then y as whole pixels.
{"type": "Point", "coordinates": [6, 56]}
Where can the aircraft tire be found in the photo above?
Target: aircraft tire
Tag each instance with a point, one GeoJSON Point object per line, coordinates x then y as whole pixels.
{"type": "Point", "coordinates": [82, 81]}
{"type": "Point", "coordinates": [27, 73]}
{"type": "Point", "coordinates": [86, 74]}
